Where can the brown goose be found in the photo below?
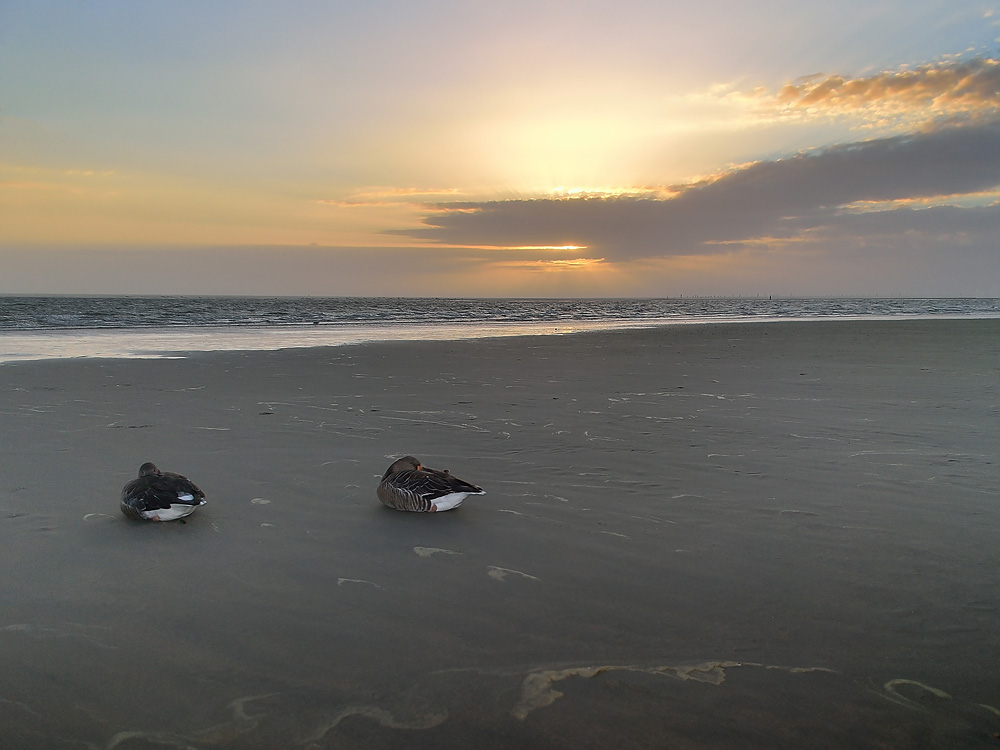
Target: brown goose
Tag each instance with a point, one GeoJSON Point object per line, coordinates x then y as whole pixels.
{"type": "Point", "coordinates": [406, 485]}
{"type": "Point", "coordinates": [160, 495]}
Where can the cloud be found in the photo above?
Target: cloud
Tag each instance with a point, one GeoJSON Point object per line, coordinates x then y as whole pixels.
{"type": "Point", "coordinates": [389, 196]}
{"type": "Point", "coordinates": [229, 269]}
{"type": "Point", "coordinates": [549, 265]}
{"type": "Point", "coordinates": [782, 200]}
{"type": "Point", "coordinates": [945, 88]}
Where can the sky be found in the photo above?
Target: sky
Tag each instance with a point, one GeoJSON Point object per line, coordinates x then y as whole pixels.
{"type": "Point", "coordinates": [536, 148]}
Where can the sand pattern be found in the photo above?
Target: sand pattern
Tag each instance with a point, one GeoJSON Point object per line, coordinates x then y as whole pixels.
{"type": "Point", "coordinates": [538, 692]}
{"type": "Point", "coordinates": [445, 705]}
{"type": "Point", "coordinates": [429, 551]}
{"type": "Point", "coordinates": [673, 517]}
{"type": "Point", "coordinates": [500, 574]}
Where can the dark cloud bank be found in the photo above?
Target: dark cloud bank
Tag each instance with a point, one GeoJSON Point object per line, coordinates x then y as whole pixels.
{"type": "Point", "coordinates": [797, 198]}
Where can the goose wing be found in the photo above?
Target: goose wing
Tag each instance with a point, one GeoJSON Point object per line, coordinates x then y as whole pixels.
{"type": "Point", "coordinates": [184, 486]}
{"type": "Point", "coordinates": [417, 489]}
{"type": "Point", "coordinates": [160, 491]}
{"type": "Point", "coordinates": [441, 483]}
{"type": "Point", "coordinates": [431, 484]}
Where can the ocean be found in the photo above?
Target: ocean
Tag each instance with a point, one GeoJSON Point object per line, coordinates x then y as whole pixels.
{"type": "Point", "coordinates": [48, 327]}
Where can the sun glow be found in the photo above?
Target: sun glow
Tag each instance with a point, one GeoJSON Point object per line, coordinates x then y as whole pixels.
{"type": "Point", "coordinates": [547, 247]}
{"type": "Point", "coordinates": [550, 264]}
{"type": "Point", "coordinates": [655, 191]}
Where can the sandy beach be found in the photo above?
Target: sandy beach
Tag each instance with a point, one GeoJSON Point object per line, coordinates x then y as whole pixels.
{"type": "Point", "coordinates": [779, 535]}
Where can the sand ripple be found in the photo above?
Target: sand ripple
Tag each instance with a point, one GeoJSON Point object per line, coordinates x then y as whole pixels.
{"type": "Point", "coordinates": [428, 551]}
{"type": "Point", "coordinates": [500, 574]}
{"type": "Point", "coordinates": [383, 717]}
{"type": "Point", "coordinates": [537, 691]}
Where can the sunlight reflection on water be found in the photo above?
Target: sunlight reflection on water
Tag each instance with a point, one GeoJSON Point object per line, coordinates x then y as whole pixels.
{"type": "Point", "coordinates": [163, 343]}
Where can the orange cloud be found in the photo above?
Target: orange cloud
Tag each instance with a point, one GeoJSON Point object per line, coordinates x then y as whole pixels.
{"type": "Point", "coordinates": [67, 181]}
{"type": "Point", "coordinates": [549, 265]}
{"type": "Point", "coordinates": [964, 200]}
{"type": "Point", "coordinates": [28, 185]}
{"type": "Point", "coordinates": [387, 196]}
{"type": "Point", "coordinates": [940, 89]}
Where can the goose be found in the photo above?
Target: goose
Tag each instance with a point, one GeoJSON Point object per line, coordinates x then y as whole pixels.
{"type": "Point", "coordinates": [160, 495]}
{"type": "Point", "coordinates": [408, 485]}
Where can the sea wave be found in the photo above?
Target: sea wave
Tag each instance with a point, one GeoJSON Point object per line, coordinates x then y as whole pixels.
{"type": "Point", "coordinates": [34, 328]}
{"type": "Point", "coordinates": [70, 313]}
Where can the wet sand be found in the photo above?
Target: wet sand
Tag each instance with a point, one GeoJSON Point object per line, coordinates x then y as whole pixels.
{"type": "Point", "coordinates": [777, 535]}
